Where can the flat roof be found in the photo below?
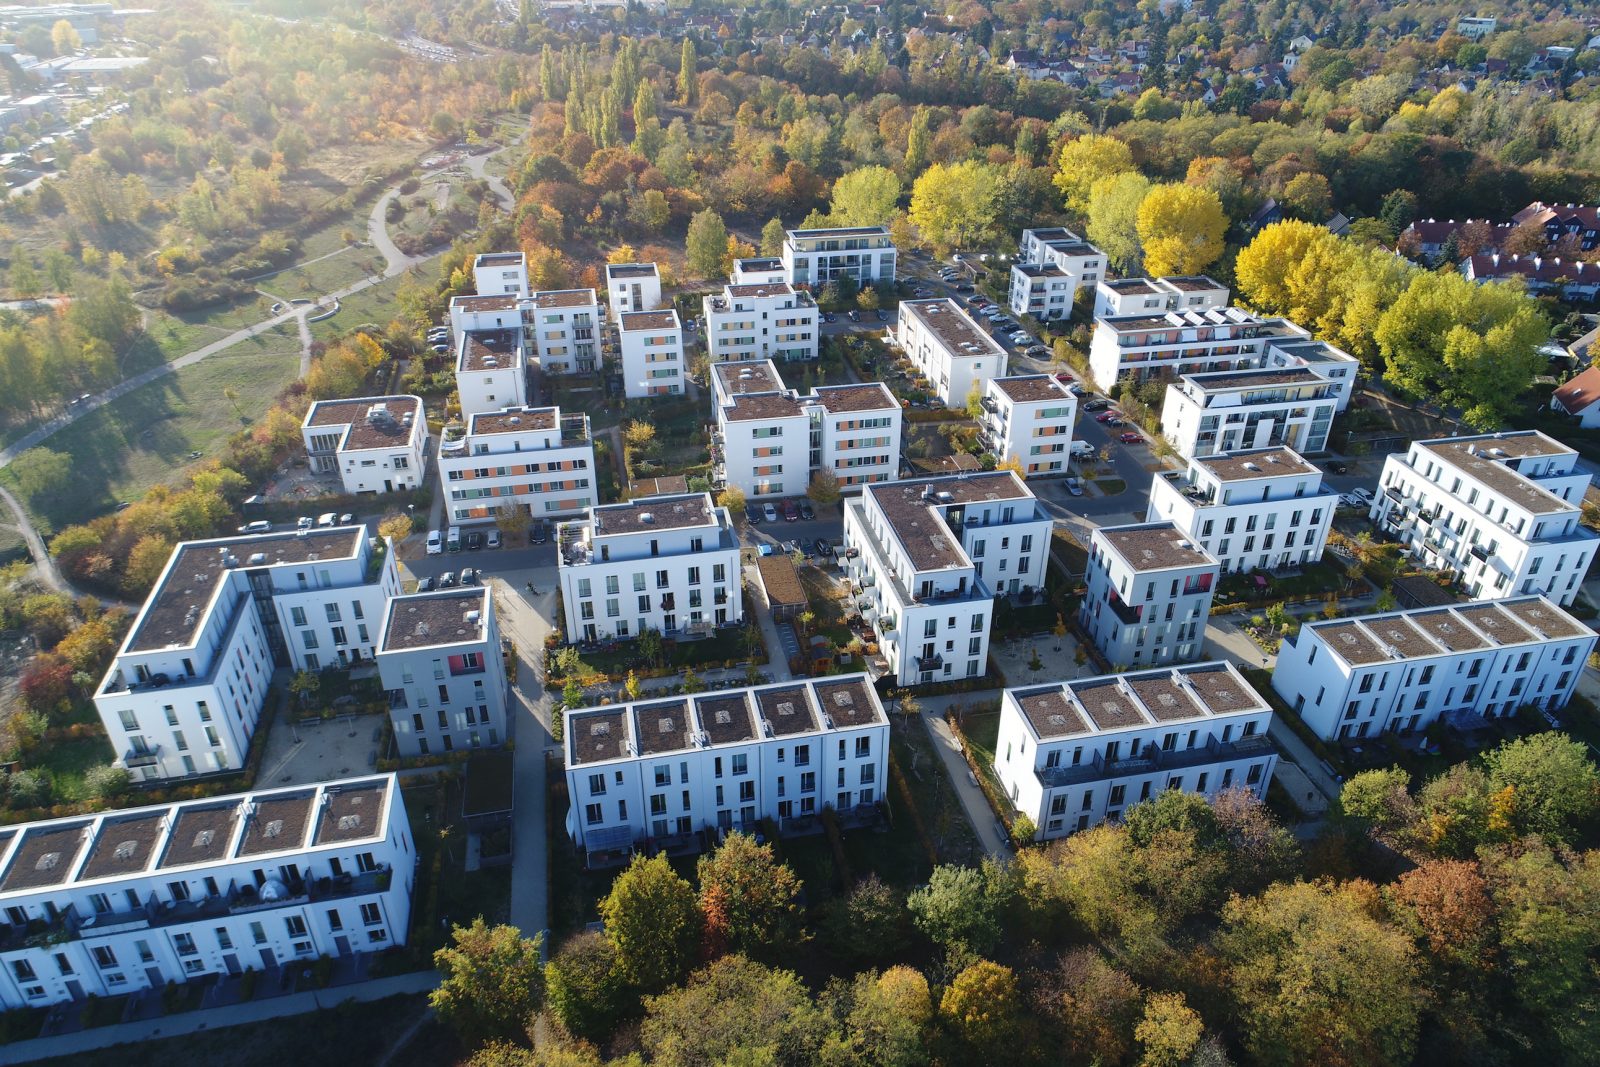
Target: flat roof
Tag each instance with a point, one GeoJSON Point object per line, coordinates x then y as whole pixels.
{"type": "Point", "coordinates": [781, 581]}
{"type": "Point", "coordinates": [873, 396]}
{"type": "Point", "coordinates": [176, 609]}
{"type": "Point", "coordinates": [787, 709]}
{"type": "Point", "coordinates": [912, 510]}
{"type": "Point", "coordinates": [1485, 458]}
{"type": "Point", "coordinates": [848, 701]}
{"type": "Point", "coordinates": [426, 620]}
{"type": "Point", "coordinates": [954, 328]}
{"type": "Point", "coordinates": [498, 259]}
{"type": "Point", "coordinates": [756, 263]}
{"type": "Point", "coordinates": [1051, 713]}
{"type": "Point", "coordinates": [667, 485]}
{"type": "Point", "coordinates": [1277, 462]}
{"type": "Point", "coordinates": [493, 302]}
{"type": "Point", "coordinates": [1160, 696]}
{"type": "Point", "coordinates": [1396, 632]}
{"type": "Point", "coordinates": [662, 727]}
{"type": "Point", "coordinates": [1164, 698]}
{"type": "Point", "coordinates": [1193, 283]}
{"type": "Point", "coordinates": [1128, 286]}
{"type": "Point", "coordinates": [484, 350]}
{"type": "Point", "coordinates": [125, 844]}
{"type": "Point", "coordinates": [202, 833]}
{"type": "Point", "coordinates": [749, 408]}
{"type": "Point", "coordinates": [373, 421]}
{"type": "Point", "coordinates": [351, 812]}
{"type": "Point", "coordinates": [278, 824]}
{"type": "Point", "coordinates": [634, 321]}
{"type": "Point", "coordinates": [725, 719]}
{"type": "Point", "coordinates": [631, 270]}
{"type": "Point", "coordinates": [1545, 619]}
{"type": "Point", "coordinates": [1040, 270]}
{"type": "Point", "coordinates": [512, 420]}
{"type": "Point", "coordinates": [1217, 381]}
{"type": "Point", "coordinates": [564, 298]}
{"type": "Point", "coordinates": [45, 856]}
{"type": "Point", "coordinates": [748, 376]}
{"type": "Point", "coordinates": [841, 231]}
{"type": "Point", "coordinates": [597, 735]}
{"type": "Point", "coordinates": [1155, 546]}
{"type": "Point", "coordinates": [1028, 388]}
{"type": "Point", "coordinates": [762, 289]}
{"type": "Point", "coordinates": [1434, 631]}
{"type": "Point", "coordinates": [656, 513]}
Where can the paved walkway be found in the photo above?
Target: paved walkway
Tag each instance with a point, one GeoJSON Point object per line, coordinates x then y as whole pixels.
{"type": "Point", "coordinates": [216, 1018]}
{"type": "Point", "coordinates": [990, 832]}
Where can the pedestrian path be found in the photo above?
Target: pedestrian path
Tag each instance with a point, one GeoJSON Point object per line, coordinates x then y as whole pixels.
{"type": "Point", "coordinates": [984, 821]}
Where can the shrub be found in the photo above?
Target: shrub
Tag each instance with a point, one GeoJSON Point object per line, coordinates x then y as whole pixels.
{"type": "Point", "coordinates": [106, 782]}
{"type": "Point", "coordinates": [27, 789]}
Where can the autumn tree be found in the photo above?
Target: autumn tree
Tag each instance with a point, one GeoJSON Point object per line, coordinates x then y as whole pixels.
{"type": "Point", "coordinates": [864, 197]}
{"type": "Point", "coordinates": [735, 1011]}
{"type": "Point", "coordinates": [1095, 1005]}
{"type": "Point", "coordinates": [1181, 228]}
{"type": "Point", "coordinates": [824, 489]}
{"type": "Point", "coordinates": [887, 1021]}
{"type": "Point", "coordinates": [748, 900]}
{"type": "Point", "coordinates": [1113, 218]}
{"type": "Point", "coordinates": [706, 243]}
{"type": "Point", "coordinates": [688, 82]}
{"type": "Point", "coordinates": [492, 981]}
{"type": "Point", "coordinates": [584, 986]}
{"type": "Point", "coordinates": [1308, 196]}
{"type": "Point", "coordinates": [395, 527]}
{"type": "Point", "coordinates": [1555, 789]}
{"type": "Point", "coordinates": [1085, 160]}
{"type": "Point", "coordinates": [983, 1008]}
{"type": "Point", "coordinates": [955, 205]}
{"type": "Point", "coordinates": [651, 918]}
{"type": "Point", "coordinates": [732, 498]}
{"type": "Point", "coordinates": [1169, 1031]}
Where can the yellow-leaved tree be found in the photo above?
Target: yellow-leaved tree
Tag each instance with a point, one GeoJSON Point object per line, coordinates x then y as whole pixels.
{"type": "Point", "coordinates": [1181, 228]}
{"type": "Point", "coordinates": [1083, 161]}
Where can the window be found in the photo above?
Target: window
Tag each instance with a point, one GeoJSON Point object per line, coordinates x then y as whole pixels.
{"type": "Point", "coordinates": [334, 921]}
{"type": "Point", "coordinates": [592, 814]}
{"type": "Point", "coordinates": [103, 957]}
{"type": "Point", "coordinates": [371, 914]}
{"type": "Point", "coordinates": [296, 925]}
{"type": "Point", "coordinates": [863, 746]}
{"type": "Point", "coordinates": [258, 933]}
{"type": "Point", "coordinates": [741, 763]}
{"type": "Point", "coordinates": [184, 943]}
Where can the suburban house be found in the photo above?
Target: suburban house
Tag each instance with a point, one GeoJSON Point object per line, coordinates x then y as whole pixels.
{"type": "Point", "coordinates": [1052, 264]}
{"type": "Point", "coordinates": [375, 444]}
{"type": "Point", "coordinates": [1579, 397]}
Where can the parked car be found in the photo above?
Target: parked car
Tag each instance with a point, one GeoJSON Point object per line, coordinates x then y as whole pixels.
{"type": "Point", "coordinates": [1097, 405]}
{"type": "Point", "coordinates": [1107, 416]}
{"type": "Point", "coordinates": [260, 526]}
{"type": "Point", "coordinates": [1130, 438]}
{"type": "Point", "coordinates": [447, 580]}
{"type": "Point", "coordinates": [303, 522]}
{"type": "Point", "coordinates": [752, 514]}
{"type": "Point", "coordinates": [1362, 495]}
{"type": "Point", "coordinates": [1063, 377]}
{"type": "Point", "coordinates": [806, 511]}
{"type": "Point", "coordinates": [435, 543]}
{"type": "Point", "coordinates": [828, 316]}
{"type": "Point", "coordinates": [1348, 501]}
{"type": "Point", "coordinates": [1038, 351]}
{"type": "Point", "coordinates": [1075, 486]}
{"type": "Point", "coordinates": [494, 538]}
{"type": "Point", "coordinates": [539, 533]}
{"type": "Point", "coordinates": [824, 547]}
{"type": "Point", "coordinates": [1076, 390]}
{"type": "Point", "coordinates": [769, 513]}
{"type": "Point", "coordinates": [469, 576]}
{"type": "Point", "coordinates": [964, 287]}
{"type": "Point", "coordinates": [1335, 467]}
{"type": "Point", "coordinates": [791, 513]}
{"type": "Point", "coordinates": [474, 540]}
{"type": "Point", "coordinates": [883, 316]}
{"type": "Point", "coordinates": [765, 549]}
{"type": "Point", "coordinates": [425, 585]}
{"type": "Point", "coordinates": [347, 519]}
{"type": "Point", "coordinates": [441, 349]}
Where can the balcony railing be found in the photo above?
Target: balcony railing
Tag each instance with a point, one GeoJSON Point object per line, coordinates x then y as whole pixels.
{"type": "Point", "coordinates": [1152, 759]}
{"type": "Point", "coordinates": [148, 758]}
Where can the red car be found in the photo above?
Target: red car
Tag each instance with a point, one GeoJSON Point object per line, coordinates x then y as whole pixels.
{"type": "Point", "coordinates": [1105, 416]}
{"type": "Point", "coordinates": [791, 511]}
{"type": "Point", "coordinates": [1130, 438]}
{"type": "Point", "coordinates": [1063, 377]}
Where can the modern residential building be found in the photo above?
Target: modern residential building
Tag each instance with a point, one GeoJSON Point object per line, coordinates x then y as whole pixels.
{"type": "Point", "coordinates": [1474, 27]}
{"type": "Point", "coordinates": [1028, 418]}
{"type": "Point", "coordinates": [125, 901]}
{"type": "Point", "coordinates": [563, 330]}
{"type": "Point", "coordinates": [1052, 265]}
{"type": "Point", "coordinates": [655, 773]}
{"type": "Point", "coordinates": [440, 662]}
{"type": "Point", "coordinates": [1264, 509]}
{"type": "Point", "coordinates": [759, 270]}
{"type": "Point", "coordinates": [666, 563]}
{"type": "Point", "coordinates": [1071, 755]}
{"type": "Point", "coordinates": [1334, 365]}
{"type": "Point", "coordinates": [770, 440]}
{"type": "Point", "coordinates": [1150, 587]}
{"type": "Point", "coordinates": [484, 313]}
{"type": "Point", "coordinates": [864, 254]}
{"type": "Point", "coordinates": [632, 287]}
{"type": "Point", "coordinates": [947, 348]}
{"type": "Point", "coordinates": [186, 688]}
{"type": "Point", "coordinates": [1173, 343]}
{"type": "Point", "coordinates": [491, 370]}
{"type": "Point", "coordinates": [927, 557]}
{"type": "Point", "coordinates": [1225, 411]}
{"type": "Point", "coordinates": [1145, 296]}
{"type": "Point", "coordinates": [521, 457]}
{"type": "Point", "coordinates": [650, 353]}
{"type": "Point", "coordinates": [500, 274]}
{"type": "Point", "coordinates": [376, 444]}
{"type": "Point", "coordinates": [1500, 510]}
{"type": "Point", "coordinates": [762, 320]}
{"type": "Point", "coordinates": [1401, 671]}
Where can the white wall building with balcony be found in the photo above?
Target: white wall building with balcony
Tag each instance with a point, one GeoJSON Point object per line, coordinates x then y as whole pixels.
{"type": "Point", "coordinates": [564, 330]}
{"type": "Point", "coordinates": [1071, 755]}
{"type": "Point", "coordinates": [440, 662]}
{"type": "Point", "coordinates": [656, 772]}
{"type": "Point", "coordinates": [500, 274]}
{"type": "Point", "coordinates": [759, 270]}
{"type": "Point", "coordinates": [536, 458]}
{"type": "Point", "coordinates": [667, 563]}
{"type": "Point", "coordinates": [632, 287]}
{"type": "Point", "coordinates": [864, 254]}
{"type": "Point", "coordinates": [1400, 672]}
{"type": "Point", "coordinates": [125, 901]}
{"type": "Point", "coordinates": [1149, 598]}
{"type": "Point", "coordinates": [491, 369]}
{"type": "Point", "coordinates": [1053, 263]}
{"type": "Point", "coordinates": [948, 349]}
{"type": "Point", "coordinates": [1028, 419]}
{"type": "Point", "coordinates": [1174, 343]}
{"type": "Point", "coordinates": [1265, 509]}
{"type": "Point", "coordinates": [1226, 411]}
{"type": "Point", "coordinates": [650, 354]}
{"type": "Point", "coordinates": [376, 444]}
{"type": "Point", "coordinates": [1145, 296]}
{"type": "Point", "coordinates": [763, 320]}
{"type": "Point", "coordinates": [185, 691]}
{"type": "Point", "coordinates": [1502, 511]}
{"type": "Point", "coordinates": [926, 558]}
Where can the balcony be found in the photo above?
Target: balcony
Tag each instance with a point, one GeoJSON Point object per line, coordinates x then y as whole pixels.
{"type": "Point", "coordinates": [1127, 613]}
{"type": "Point", "coordinates": [574, 429]}
{"type": "Point", "coordinates": [1153, 760]}
{"type": "Point", "coordinates": [930, 663]}
{"type": "Point", "coordinates": [148, 758]}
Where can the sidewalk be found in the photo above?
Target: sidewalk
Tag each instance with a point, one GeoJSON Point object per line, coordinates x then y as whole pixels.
{"type": "Point", "coordinates": [991, 834]}
{"type": "Point", "coordinates": [217, 1018]}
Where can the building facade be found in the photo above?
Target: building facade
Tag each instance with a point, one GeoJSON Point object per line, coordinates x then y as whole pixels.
{"type": "Point", "coordinates": [1226, 411]}
{"type": "Point", "coordinates": [1502, 511]}
{"type": "Point", "coordinates": [1265, 509]}
{"type": "Point", "coordinates": [763, 320]}
{"type": "Point", "coordinates": [1149, 597]}
{"type": "Point", "coordinates": [1072, 755]}
{"type": "Point", "coordinates": [491, 370]}
{"type": "Point", "coordinates": [500, 274]}
{"type": "Point", "coordinates": [185, 691]}
{"type": "Point", "coordinates": [653, 772]}
{"type": "Point", "coordinates": [947, 348]}
{"type": "Point", "coordinates": [564, 330]}
{"type": "Point", "coordinates": [1174, 343]}
{"type": "Point", "coordinates": [536, 458]}
{"type": "Point", "coordinates": [1028, 420]}
{"type": "Point", "coordinates": [926, 559]}
{"type": "Point", "coordinates": [124, 901]}
{"type": "Point", "coordinates": [1400, 672]}
{"type": "Point", "coordinates": [650, 353]}
{"type": "Point", "coordinates": [376, 444]}
{"type": "Point", "coordinates": [665, 563]}
{"type": "Point", "coordinates": [440, 662]}
{"type": "Point", "coordinates": [855, 433]}
{"type": "Point", "coordinates": [759, 270]}
{"type": "Point", "coordinates": [1052, 265]}
{"type": "Point", "coordinates": [863, 254]}
{"type": "Point", "coordinates": [632, 287]}
{"type": "Point", "coordinates": [1147, 296]}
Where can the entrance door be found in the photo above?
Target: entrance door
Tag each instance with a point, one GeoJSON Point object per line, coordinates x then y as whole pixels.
{"type": "Point", "coordinates": [342, 944]}
{"type": "Point", "coordinates": [231, 961]}
{"type": "Point", "coordinates": [268, 960]}
{"type": "Point", "coordinates": [388, 485]}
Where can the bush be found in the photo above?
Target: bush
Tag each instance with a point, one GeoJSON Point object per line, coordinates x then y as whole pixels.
{"type": "Point", "coordinates": [27, 789]}
{"type": "Point", "coordinates": [106, 782]}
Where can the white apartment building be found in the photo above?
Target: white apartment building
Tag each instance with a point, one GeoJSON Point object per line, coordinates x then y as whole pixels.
{"type": "Point", "coordinates": [655, 772]}
{"type": "Point", "coordinates": [632, 287]}
{"type": "Point", "coordinates": [1149, 597]}
{"type": "Point", "coordinates": [1174, 343]}
{"type": "Point", "coordinates": [813, 258]}
{"type": "Point", "coordinates": [376, 444]}
{"type": "Point", "coordinates": [1500, 510]}
{"type": "Point", "coordinates": [1401, 671]}
{"type": "Point", "coordinates": [1144, 296]}
{"type": "Point", "coordinates": [771, 440]}
{"type": "Point", "coordinates": [1474, 27]}
{"type": "Point", "coordinates": [763, 320]}
{"type": "Point", "coordinates": [759, 270]}
{"type": "Point", "coordinates": [491, 370]}
{"type": "Point", "coordinates": [1072, 755]}
{"type": "Point", "coordinates": [650, 353]}
{"type": "Point", "coordinates": [1225, 411]}
{"type": "Point", "coordinates": [1052, 265]}
{"type": "Point", "coordinates": [484, 313]}
{"type": "Point", "coordinates": [563, 330]}
{"type": "Point", "coordinates": [667, 563]}
{"type": "Point", "coordinates": [500, 274]}
{"type": "Point", "coordinates": [184, 693]}
{"type": "Point", "coordinates": [948, 348]}
{"type": "Point", "coordinates": [440, 662]}
{"type": "Point", "coordinates": [926, 559]}
{"type": "Point", "coordinates": [536, 458]}
{"type": "Point", "coordinates": [1334, 365]}
{"type": "Point", "coordinates": [1028, 418]}
{"type": "Point", "coordinates": [1264, 509]}
{"type": "Point", "coordinates": [125, 901]}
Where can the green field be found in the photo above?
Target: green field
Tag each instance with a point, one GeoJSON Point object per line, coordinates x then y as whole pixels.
{"type": "Point", "coordinates": [376, 304]}
{"type": "Point", "coordinates": [146, 437]}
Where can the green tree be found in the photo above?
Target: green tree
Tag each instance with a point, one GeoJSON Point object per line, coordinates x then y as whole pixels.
{"type": "Point", "coordinates": [688, 83]}
{"type": "Point", "coordinates": [584, 986]}
{"type": "Point", "coordinates": [983, 1008]}
{"type": "Point", "coordinates": [572, 695]}
{"type": "Point", "coordinates": [1113, 218]}
{"type": "Point", "coordinates": [887, 1022]}
{"type": "Point", "coordinates": [25, 281]}
{"type": "Point", "coordinates": [868, 923]}
{"type": "Point", "coordinates": [864, 197]}
{"type": "Point", "coordinates": [706, 243]}
{"type": "Point", "coordinates": [651, 918]}
{"type": "Point", "coordinates": [824, 489]}
{"type": "Point", "coordinates": [492, 981]}
{"type": "Point", "coordinates": [960, 906]}
{"type": "Point", "coordinates": [772, 235]}
{"type": "Point", "coordinates": [919, 145]}
{"type": "Point", "coordinates": [1308, 196]}
{"type": "Point", "coordinates": [1085, 160]}
{"type": "Point", "coordinates": [956, 206]}
{"type": "Point", "coordinates": [1181, 228]}
{"type": "Point", "coordinates": [293, 145]}
{"type": "Point", "coordinates": [1555, 788]}
{"type": "Point", "coordinates": [734, 1012]}
{"type": "Point", "coordinates": [750, 903]}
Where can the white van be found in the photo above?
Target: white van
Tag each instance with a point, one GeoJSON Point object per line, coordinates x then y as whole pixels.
{"type": "Point", "coordinates": [260, 526]}
{"type": "Point", "coordinates": [1082, 449]}
{"type": "Point", "coordinates": [452, 540]}
{"type": "Point", "coordinates": [327, 520]}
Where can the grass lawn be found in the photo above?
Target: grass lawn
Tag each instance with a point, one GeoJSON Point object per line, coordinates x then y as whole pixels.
{"type": "Point", "coordinates": [1111, 486]}
{"type": "Point", "coordinates": [940, 809]}
{"type": "Point", "coordinates": [983, 732]}
{"type": "Point", "coordinates": [180, 334]}
{"type": "Point", "coordinates": [712, 651]}
{"type": "Point", "coordinates": [374, 304]}
{"type": "Point", "coordinates": [324, 272]}
{"type": "Point", "coordinates": [66, 762]}
{"type": "Point", "coordinates": [462, 896]}
{"type": "Point", "coordinates": [146, 437]}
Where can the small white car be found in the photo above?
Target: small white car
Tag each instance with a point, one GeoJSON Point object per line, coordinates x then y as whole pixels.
{"type": "Point", "coordinates": [1362, 496]}
{"type": "Point", "coordinates": [435, 543]}
{"type": "Point", "coordinates": [494, 538]}
{"type": "Point", "coordinates": [769, 513]}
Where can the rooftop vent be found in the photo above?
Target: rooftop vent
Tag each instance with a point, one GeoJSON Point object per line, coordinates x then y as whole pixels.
{"type": "Point", "coordinates": [472, 616]}
{"type": "Point", "coordinates": [1251, 467]}
{"type": "Point", "coordinates": [723, 717]}
{"type": "Point", "coordinates": [600, 729]}
{"type": "Point", "coordinates": [257, 559]}
{"type": "Point", "coordinates": [647, 518]}
{"type": "Point", "coordinates": [843, 700]}
{"type": "Point", "coordinates": [204, 838]}
{"type": "Point", "coordinates": [273, 828]}
{"type": "Point", "coordinates": [47, 862]}
{"type": "Point", "coordinates": [1057, 720]}
{"type": "Point", "coordinates": [349, 822]}
{"type": "Point", "coordinates": [785, 708]}
{"type": "Point", "coordinates": [125, 850]}
{"type": "Point", "coordinates": [666, 724]}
